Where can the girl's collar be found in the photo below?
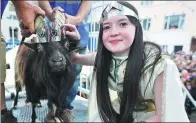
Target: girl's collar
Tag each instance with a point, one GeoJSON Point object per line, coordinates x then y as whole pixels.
{"type": "Point", "coordinates": [120, 57]}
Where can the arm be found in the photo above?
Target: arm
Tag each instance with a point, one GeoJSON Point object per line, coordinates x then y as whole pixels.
{"type": "Point", "coordinates": [76, 58]}
{"type": "Point", "coordinates": [75, 20]}
{"type": "Point", "coordinates": [158, 88]}
{"type": "Point", "coordinates": [83, 11]}
{"type": "Point", "coordinates": [45, 5]}
{"type": "Point", "coordinates": [84, 59]}
{"type": "Point", "coordinates": [169, 108]}
{"type": "Point", "coordinates": [26, 13]}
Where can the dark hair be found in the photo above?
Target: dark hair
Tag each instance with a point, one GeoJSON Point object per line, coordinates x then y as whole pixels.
{"type": "Point", "coordinates": [131, 91]}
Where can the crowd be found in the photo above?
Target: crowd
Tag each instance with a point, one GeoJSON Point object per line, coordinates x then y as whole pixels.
{"type": "Point", "coordinates": [186, 63]}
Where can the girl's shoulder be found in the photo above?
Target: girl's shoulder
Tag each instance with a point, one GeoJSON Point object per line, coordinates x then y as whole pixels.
{"type": "Point", "coordinates": [154, 56]}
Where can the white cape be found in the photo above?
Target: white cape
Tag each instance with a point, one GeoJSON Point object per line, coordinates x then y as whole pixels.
{"type": "Point", "coordinates": [173, 109]}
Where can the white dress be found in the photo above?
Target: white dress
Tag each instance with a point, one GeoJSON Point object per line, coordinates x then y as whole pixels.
{"type": "Point", "coordinates": [173, 109]}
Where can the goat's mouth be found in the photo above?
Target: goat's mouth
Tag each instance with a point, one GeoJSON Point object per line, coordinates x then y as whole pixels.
{"type": "Point", "coordinates": [58, 68]}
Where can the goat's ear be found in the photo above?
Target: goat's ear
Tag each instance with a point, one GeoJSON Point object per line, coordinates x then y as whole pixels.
{"type": "Point", "coordinates": [32, 46]}
{"type": "Point", "coordinates": [30, 42]}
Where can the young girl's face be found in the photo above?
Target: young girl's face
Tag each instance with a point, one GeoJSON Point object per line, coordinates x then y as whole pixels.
{"type": "Point", "coordinates": [118, 35]}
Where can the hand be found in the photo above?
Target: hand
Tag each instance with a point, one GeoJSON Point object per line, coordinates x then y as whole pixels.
{"type": "Point", "coordinates": [72, 19]}
{"type": "Point", "coordinates": [69, 18]}
{"type": "Point", "coordinates": [27, 13]}
{"type": "Point", "coordinates": [71, 31]}
{"type": "Point", "coordinates": [52, 16]}
{"type": "Point", "coordinates": [25, 32]}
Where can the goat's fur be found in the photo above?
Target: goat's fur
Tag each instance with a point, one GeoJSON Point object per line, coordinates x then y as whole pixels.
{"type": "Point", "coordinates": [40, 80]}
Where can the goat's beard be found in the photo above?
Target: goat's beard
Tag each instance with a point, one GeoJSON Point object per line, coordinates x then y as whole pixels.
{"type": "Point", "coordinates": [58, 69]}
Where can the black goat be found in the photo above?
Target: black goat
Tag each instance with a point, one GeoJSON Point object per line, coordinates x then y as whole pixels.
{"type": "Point", "coordinates": [46, 73]}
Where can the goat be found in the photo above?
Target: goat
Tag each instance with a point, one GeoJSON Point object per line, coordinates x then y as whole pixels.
{"type": "Point", "coordinates": [46, 72]}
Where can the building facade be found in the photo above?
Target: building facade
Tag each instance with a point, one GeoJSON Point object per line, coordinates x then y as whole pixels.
{"type": "Point", "coordinates": [169, 23]}
{"type": "Point", "coordinates": [10, 27]}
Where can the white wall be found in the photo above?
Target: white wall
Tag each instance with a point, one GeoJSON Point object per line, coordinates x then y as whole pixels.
{"type": "Point", "coordinates": [157, 12]}
{"type": "Point", "coordinates": [171, 39]}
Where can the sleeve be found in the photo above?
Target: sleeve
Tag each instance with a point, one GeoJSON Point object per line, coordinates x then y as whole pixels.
{"type": "Point", "coordinates": [173, 109]}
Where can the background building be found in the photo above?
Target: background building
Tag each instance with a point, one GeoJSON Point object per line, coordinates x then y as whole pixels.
{"type": "Point", "coordinates": [169, 23]}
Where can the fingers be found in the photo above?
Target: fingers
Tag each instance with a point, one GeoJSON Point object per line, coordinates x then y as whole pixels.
{"type": "Point", "coordinates": [24, 30]}
{"type": "Point", "coordinates": [26, 33]}
{"type": "Point", "coordinates": [22, 26]}
{"type": "Point", "coordinates": [71, 34]}
{"type": "Point", "coordinates": [71, 31]}
{"type": "Point", "coordinates": [67, 18]}
{"type": "Point", "coordinates": [69, 27]}
{"type": "Point", "coordinates": [58, 9]}
{"type": "Point", "coordinates": [38, 10]}
{"type": "Point", "coordinates": [27, 24]}
{"type": "Point", "coordinates": [32, 27]}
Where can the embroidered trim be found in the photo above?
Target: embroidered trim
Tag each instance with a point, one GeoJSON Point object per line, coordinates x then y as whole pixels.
{"type": "Point", "coordinates": [115, 78]}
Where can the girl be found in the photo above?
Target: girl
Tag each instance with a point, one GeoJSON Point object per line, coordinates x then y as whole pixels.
{"type": "Point", "coordinates": [132, 80]}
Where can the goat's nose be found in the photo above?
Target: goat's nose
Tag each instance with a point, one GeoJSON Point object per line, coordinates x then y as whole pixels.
{"type": "Point", "coordinates": [57, 59]}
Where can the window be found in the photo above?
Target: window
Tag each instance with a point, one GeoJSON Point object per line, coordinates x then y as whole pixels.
{"type": "Point", "coordinates": [93, 27]}
{"type": "Point", "coordinates": [164, 48]}
{"type": "Point", "coordinates": [174, 21]}
{"type": "Point", "coordinates": [96, 26]}
{"type": "Point", "coordinates": [10, 31]}
{"type": "Point", "coordinates": [16, 34]}
{"type": "Point", "coordinates": [89, 27]}
{"type": "Point", "coordinates": [146, 2]}
{"type": "Point", "coordinates": [12, 17]}
{"type": "Point", "coordinates": [9, 17]}
{"type": "Point", "coordinates": [146, 23]}
{"type": "Point", "coordinates": [178, 48]}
